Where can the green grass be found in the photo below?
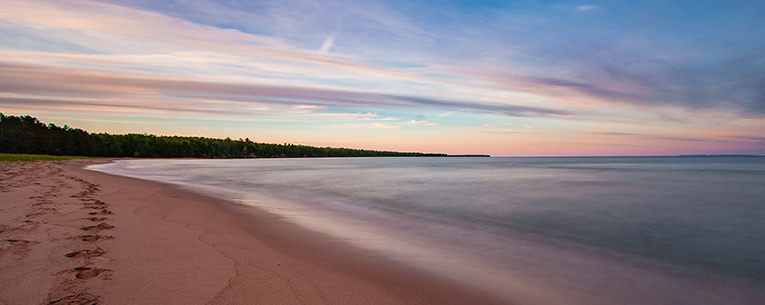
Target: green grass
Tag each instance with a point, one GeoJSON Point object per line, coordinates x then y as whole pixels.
{"type": "Point", "coordinates": [28, 157]}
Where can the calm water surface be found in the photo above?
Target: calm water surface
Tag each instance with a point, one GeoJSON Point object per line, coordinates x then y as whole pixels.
{"type": "Point", "coordinates": [656, 230]}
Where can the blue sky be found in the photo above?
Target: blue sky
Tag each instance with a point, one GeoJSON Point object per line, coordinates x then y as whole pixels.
{"type": "Point", "coordinates": [498, 77]}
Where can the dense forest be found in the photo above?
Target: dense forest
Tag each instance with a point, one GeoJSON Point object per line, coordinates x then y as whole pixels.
{"type": "Point", "coordinates": [26, 134]}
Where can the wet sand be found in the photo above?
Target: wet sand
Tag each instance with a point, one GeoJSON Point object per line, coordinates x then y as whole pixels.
{"type": "Point", "coordinates": [73, 236]}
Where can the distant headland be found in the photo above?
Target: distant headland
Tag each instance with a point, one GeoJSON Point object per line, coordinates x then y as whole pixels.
{"type": "Point", "coordinates": [477, 156]}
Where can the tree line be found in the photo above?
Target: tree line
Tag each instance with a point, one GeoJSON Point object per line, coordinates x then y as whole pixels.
{"type": "Point", "coordinates": [27, 135]}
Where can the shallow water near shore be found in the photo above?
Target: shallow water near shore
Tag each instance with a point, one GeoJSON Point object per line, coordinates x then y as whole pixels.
{"type": "Point", "coordinates": [645, 230]}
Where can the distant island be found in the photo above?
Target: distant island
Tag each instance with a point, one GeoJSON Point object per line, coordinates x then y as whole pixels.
{"type": "Point", "coordinates": [27, 135]}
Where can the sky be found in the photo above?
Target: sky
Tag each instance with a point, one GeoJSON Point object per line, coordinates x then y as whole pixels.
{"type": "Point", "coordinates": [506, 78]}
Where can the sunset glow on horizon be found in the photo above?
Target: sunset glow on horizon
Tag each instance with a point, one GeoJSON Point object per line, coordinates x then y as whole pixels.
{"type": "Point", "coordinates": [459, 77]}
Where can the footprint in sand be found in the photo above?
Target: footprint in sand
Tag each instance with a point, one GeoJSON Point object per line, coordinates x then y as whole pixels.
{"type": "Point", "coordinates": [85, 273]}
{"type": "Point", "coordinates": [102, 212]}
{"type": "Point", "coordinates": [34, 214]}
{"type": "Point", "coordinates": [79, 299]}
{"type": "Point", "coordinates": [42, 202]}
{"type": "Point", "coordinates": [94, 219]}
{"type": "Point", "coordinates": [100, 226]}
{"type": "Point", "coordinates": [96, 203]}
{"type": "Point", "coordinates": [20, 246]}
{"type": "Point", "coordinates": [80, 194]}
{"type": "Point", "coordinates": [85, 253]}
{"type": "Point", "coordinates": [92, 238]}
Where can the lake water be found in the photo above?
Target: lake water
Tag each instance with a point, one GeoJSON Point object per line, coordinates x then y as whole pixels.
{"type": "Point", "coordinates": [616, 230]}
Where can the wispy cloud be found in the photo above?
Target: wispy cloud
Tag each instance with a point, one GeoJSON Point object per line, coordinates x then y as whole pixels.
{"type": "Point", "coordinates": [732, 84]}
{"type": "Point", "coordinates": [93, 83]}
{"type": "Point", "coordinates": [166, 43]}
{"type": "Point", "coordinates": [608, 133]}
{"type": "Point", "coordinates": [327, 44]}
{"type": "Point", "coordinates": [583, 8]}
{"type": "Point", "coordinates": [421, 123]}
{"type": "Point", "coordinates": [649, 136]}
{"type": "Point", "coordinates": [446, 114]}
{"type": "Point", "coordinates": [131, 32]}
{"type": "Point", "coordinates": [760, 139]}
{"type": "Point", "coordinates": [490, 129]}
{"type": "Point", "coordinates": [365, 126]}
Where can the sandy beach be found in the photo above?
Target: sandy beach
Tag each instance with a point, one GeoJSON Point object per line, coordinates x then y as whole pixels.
{"type": "Point", "coordinates": [73, 236]}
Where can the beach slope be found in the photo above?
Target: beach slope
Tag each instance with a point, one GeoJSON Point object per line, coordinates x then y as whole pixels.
{"type": "Point", "coordinates": [73, 236]}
